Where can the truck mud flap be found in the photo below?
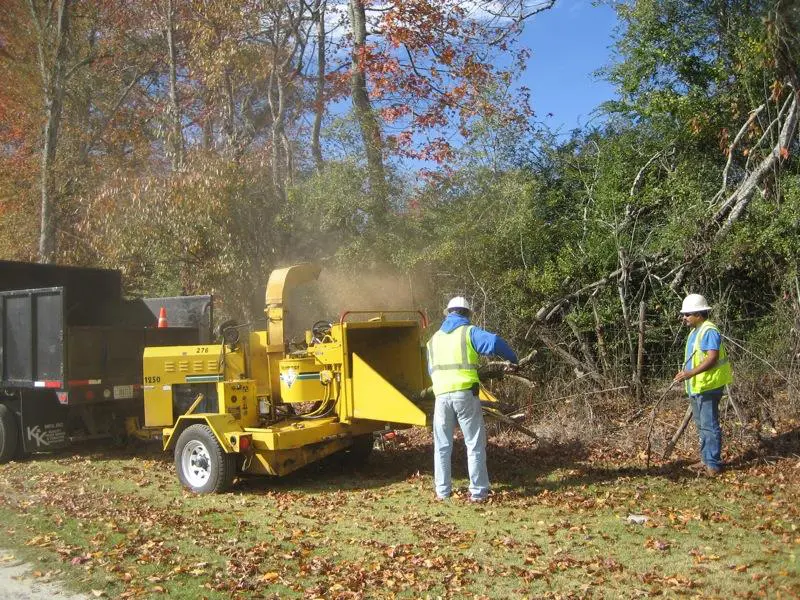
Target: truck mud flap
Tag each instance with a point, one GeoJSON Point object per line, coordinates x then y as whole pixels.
{"type": "Point", "coordinates": [44, 422]}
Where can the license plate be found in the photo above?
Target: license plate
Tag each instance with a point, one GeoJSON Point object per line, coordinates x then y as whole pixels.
{"type": "Point", "coordinates": [122, 392]}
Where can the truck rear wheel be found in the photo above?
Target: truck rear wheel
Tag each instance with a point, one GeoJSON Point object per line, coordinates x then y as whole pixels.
{"type": "Point", "coordinates": [202, 465]}
{"type": "Point", "coordinates": [9, 434]}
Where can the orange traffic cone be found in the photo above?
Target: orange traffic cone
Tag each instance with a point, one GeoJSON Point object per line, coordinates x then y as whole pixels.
{"type": "Point", "coordinates": [162, 317]}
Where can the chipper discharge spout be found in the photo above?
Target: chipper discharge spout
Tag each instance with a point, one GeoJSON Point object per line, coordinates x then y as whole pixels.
{"type": "Point", "coordinates": [268, 405]}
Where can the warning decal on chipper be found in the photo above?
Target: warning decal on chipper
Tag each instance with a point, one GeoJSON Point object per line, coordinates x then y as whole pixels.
{"type": "Point", "coordinates": [289, 376]}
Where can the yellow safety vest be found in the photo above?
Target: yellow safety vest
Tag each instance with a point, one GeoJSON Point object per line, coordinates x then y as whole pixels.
{"type": "Point", "coordinates": [717, 376]}
{"type": "Point", "coordinates": [452, 360]}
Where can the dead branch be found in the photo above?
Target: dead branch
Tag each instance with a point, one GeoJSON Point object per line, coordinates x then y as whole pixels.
{"type": "Point", "coordinates": [753, 114]}
{"type": "Point", "coordinates": [671, 445]}
{"type": "Point", "coordinates": [737, 202]}
{"type": "Point", "coordinates": [548, 310]}
{"type": "Point", "coordinates": [637, 181]}
{"type": "Point", "coordinates": [768, 130]}
{"type": "Point", "coordinates": [653, 420]}
{"type": "Point", "coordinates": [592, 374]}
{"type": "Point", "coordinates": [521, 379]}
{"type": "Point", "coordinates": [731, 210]}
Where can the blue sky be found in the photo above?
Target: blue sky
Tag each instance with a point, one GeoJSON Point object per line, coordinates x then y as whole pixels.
{"type": "Point", "coordinates": [569, 42]}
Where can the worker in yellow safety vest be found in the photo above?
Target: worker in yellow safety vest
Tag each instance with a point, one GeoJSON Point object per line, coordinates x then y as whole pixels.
{"type": "Point", "coordinates": [453, 364]}
{"type": "Point", "coordinates": [705, 373]}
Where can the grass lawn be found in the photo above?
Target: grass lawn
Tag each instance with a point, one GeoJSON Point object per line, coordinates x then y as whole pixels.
{"type": "Point", "coordinates": [118, 523]}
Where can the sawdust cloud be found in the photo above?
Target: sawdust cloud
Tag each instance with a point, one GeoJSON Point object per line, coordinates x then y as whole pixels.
{"type": "Point", "coordinates": [339, 290]}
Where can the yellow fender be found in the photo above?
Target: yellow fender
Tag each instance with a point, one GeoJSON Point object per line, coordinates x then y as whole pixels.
{"type": "Point", "coordinates": [225, 428]}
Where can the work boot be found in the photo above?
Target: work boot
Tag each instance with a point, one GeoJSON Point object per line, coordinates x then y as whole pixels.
{"type": "Point", "coordinates": [713, 471]}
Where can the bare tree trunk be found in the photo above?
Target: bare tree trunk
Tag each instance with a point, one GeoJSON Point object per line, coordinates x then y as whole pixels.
{"type": "Point", "coordinates": [275, 95]}
{"type": "Point", "coordinates": [370, 128]}
{"type": "Point", "coordinates": [587, 354]}
{"type": "Point", "coordinates": [319, 100]}
{"type": "Point", "coordinates": [85, 104]}
{"type": "Point", "coordinates": [601, 340]}
{"type": "Point", "coordinates": [53, 76]}
{"type": "Point", "coordinates": [622, 288]}
{"type": "Point", "coordinates": [208, 133]}
{"type": "Point", "coordinates": [176, 130]}
{"type": "Point", "coordinates": [229, 120]}
{"type": "Point", "coordinates": [640, 354]}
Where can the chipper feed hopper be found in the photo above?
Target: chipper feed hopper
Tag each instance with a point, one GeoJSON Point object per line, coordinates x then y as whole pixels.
{"type": "Point", "coordinates": [255, 407]}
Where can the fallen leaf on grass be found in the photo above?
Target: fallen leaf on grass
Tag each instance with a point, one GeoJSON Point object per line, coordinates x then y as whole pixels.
{"type": "Point", "coordinates": [99, 593]}
{"type": "Point", "coordinates": [655, 544]}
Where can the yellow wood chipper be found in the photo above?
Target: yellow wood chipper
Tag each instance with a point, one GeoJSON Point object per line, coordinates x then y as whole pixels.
{"type": "Point", "coordinates": [255, 406]}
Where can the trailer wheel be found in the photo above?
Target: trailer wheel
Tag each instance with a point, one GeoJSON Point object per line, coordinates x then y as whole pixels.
{"type": "Point", "coordinates": [9, 434]}
{"type": "Point", "coordinates": [359, 452]}
{"type": "Point", "coordinates": [202, 465]}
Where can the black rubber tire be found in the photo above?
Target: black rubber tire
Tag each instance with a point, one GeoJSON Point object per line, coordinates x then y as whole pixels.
{"type": "Point", "coordinates": [9, 435]}
{"type": "Point", "coordinates": [216, 468]}
{"type": "Point", "coordinates": [359, 452]}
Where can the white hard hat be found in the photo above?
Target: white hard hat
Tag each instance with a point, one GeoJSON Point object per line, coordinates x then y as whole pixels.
{"type": "Point", "coordinates": [457, 302]}
{"type": "Point", "coordinates": [694, 303]}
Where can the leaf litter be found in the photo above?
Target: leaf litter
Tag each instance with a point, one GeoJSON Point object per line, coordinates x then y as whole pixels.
{"type": "Point", "coordinates": [122, 521]}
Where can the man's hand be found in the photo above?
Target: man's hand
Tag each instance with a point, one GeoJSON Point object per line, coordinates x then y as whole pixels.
{"type": "Point", "coordinates": [681, 376]}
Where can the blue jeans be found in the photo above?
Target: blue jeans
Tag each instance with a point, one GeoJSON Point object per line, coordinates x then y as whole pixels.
{"type": "Point", "coordinates": [705, 409]}
{"type": "Point", "coordinates": [465, 407]}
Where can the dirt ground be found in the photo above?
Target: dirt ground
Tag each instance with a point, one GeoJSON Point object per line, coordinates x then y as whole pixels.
{"type": "Point", "coordinates": [18, 581]}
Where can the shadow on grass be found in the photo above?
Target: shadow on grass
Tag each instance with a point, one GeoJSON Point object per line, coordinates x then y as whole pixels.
{"type": "Point", "coordinates": [783, 445]}
{"type": "Point", "coordinates": [523, 470]}
{"type": "Point", "coordinates": [518, 468]}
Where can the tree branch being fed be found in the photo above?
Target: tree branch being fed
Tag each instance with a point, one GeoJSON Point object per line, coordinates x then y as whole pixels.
{"type": "Point", "coordinates": [498, 369]}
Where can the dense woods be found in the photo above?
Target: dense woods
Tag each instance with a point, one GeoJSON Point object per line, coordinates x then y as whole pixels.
{"type": "Point", "coordinates": [198, 145]}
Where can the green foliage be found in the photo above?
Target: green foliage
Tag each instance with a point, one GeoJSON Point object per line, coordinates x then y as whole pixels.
{"type": "Point", "coordinates": [611, 217]}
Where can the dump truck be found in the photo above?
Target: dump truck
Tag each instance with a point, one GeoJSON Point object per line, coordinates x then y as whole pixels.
{"type": "Point", "coordinates": [71, 351]}
{"type": "Point", "coordinates": [254, 405]}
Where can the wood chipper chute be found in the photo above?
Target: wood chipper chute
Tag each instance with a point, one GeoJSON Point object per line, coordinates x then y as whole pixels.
{"type": "Point", "coordinates": [254, 406]}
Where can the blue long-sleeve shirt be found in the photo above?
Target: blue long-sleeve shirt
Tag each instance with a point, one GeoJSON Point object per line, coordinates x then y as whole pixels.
{"type": "Point", "coordinates": [485, 343]}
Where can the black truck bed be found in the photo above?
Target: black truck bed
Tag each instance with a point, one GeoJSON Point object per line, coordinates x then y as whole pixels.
{"type": "Point", "coordinates": [70, 324]}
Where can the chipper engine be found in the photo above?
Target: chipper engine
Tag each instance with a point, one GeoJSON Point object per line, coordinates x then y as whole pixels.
{"type": "Point", "coordinates": [253, 406]}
